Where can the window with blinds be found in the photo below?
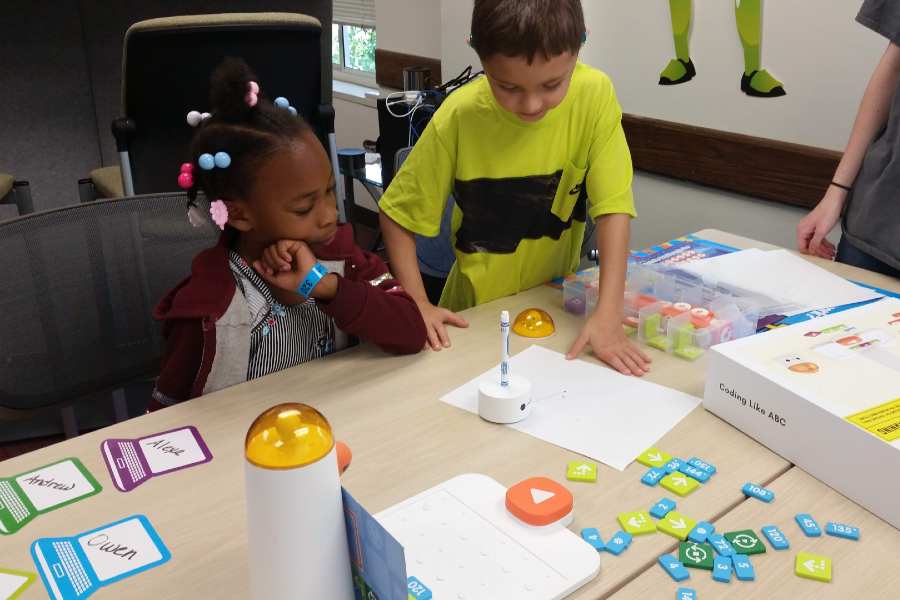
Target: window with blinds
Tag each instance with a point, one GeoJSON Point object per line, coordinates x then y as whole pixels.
{"type": "Point", "coordinates": [355, 12]}
{"type": "Point", "coordinates": [353, 38]}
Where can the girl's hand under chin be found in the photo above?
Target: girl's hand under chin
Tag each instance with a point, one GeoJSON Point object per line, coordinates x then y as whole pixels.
{"type": "Point", "coordinates": [285, 264]}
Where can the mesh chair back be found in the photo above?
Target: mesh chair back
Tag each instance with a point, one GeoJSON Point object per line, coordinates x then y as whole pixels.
{"type": "Point", "coordinates": [79, 287]}
{"type": "Point", "coordinates": [165, 72]}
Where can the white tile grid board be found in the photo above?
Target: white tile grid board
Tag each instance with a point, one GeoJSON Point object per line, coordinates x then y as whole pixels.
{"type": "Point", "coordinates": [462, 543]}
{"type": "Point", "coordinates": [587, 408]}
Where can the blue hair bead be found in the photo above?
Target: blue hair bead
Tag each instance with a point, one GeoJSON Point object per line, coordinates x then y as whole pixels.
{"type": "Point", "coordinates": [282, 102]}
{"type": "Point", "coordinates": [292, 110]}
{"type": "Point", "coordinates": [206, 162]}
{"type": "Point", "coordinates": [222, 160]}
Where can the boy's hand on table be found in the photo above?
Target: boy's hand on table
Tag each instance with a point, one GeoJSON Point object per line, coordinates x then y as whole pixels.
{"type": "Point", "coordinates": [813, 228]}
{"type": "Point", "coordinates": [436, 319]}
{"type": "Point", "coordinates": [610, 344]}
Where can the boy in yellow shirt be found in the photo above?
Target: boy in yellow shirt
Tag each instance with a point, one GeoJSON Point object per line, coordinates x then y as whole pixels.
{"type": "Point", "coordinates": [530, 151]}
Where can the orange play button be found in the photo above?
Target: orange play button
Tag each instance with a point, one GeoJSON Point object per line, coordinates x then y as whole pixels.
{"type": "Point", "coordinates": [539, 501]}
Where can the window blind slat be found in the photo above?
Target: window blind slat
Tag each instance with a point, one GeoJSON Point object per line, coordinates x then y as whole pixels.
{"type": "Point", "coordinates": [355, 12]}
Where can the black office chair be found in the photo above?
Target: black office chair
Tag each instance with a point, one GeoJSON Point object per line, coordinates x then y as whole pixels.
{"type": "Point", "coordinates": [80, 284]}
{"type": "Point", "coordinates": [15, 197]}
{"type": "Point", "coordinates": [165, 73]}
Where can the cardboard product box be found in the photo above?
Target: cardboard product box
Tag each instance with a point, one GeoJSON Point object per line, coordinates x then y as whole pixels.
{"type": "Point", "coordinates": [825, 395]}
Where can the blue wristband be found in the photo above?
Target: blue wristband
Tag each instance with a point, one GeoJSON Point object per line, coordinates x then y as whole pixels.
{"type": "Point", "coordinates": [312, 279]}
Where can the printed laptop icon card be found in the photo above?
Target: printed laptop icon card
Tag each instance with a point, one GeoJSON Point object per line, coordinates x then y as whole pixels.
{"type": "Point", "coordinates": [25, 496]}
{"type": "Point", "coordinates": [13, 583]}
{"type": "Point", "coordinates": [377, 559]}
{"type": "Point", "coordinates": [76, 567]}
{"type": "Point", "coordinates": [132, 462]}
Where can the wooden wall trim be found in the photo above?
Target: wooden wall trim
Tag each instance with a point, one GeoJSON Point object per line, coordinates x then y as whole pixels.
{"type": "Point", "coordinates": [778, 171]}
{"type": "Point", "coordinates": [389, 67]}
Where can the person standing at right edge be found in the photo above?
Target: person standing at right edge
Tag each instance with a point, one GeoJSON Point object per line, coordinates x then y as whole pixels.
{"type": "Point", "coordinates": [866, 185]}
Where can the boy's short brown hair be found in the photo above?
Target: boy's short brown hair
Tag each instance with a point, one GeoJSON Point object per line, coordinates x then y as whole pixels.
{"type": "Point", "coordinates": [527, 27]}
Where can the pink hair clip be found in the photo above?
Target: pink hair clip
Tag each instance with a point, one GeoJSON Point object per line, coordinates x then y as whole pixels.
{"type": "Point", "coordinates": [252, 96]}
{"type": "Point", "coordinates": [186, 176]}
{"type": "Point", "coordinates": [219, 213]}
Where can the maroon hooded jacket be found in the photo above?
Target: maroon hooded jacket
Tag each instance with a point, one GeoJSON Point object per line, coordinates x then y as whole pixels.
{"type": "Point", "coordinates": [206, 320]}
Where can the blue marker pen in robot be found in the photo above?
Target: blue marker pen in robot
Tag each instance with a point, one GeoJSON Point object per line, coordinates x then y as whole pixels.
{"type": "Point", "coordinates": [506, 399]}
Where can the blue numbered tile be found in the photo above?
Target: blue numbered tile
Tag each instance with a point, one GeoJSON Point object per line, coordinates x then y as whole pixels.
{"type": "Point", "coordinates": [743, 570]}
{"type": "Point", "coordinates": [720, 545]}
{"type": "Point", "coordinates": [776, 537]}
{"type": "Point", "coordinates": [673, 465]}
{"type": "Point", "coordinates": [673, 567]}
{"type": "Point", "coordinates": [691, 471]}
{"type": "Point", "coordinates": [701, 531]}
{"type": "Point", "coordinates": [722, 569]}
{"type": "Point", "coordinates": [417, 589]}
{"type": "Point", "coordinates": [808, 525]}
{"type": "Point", "coordinates": [760, 493]}
{"type": "Point", "coordinates": [662, 508]}
{"type": "Point", "coordinates": [702, 465]}
{"type": "Point", "coordinates": [592, 536]}
{"type": "Point", "coordinates": [653, 476]}
{"type": "Point", "coordinates": [618, 543]}
{"type": "Point", "coordinates": [840, 530]}
{"type": "Point", "coordinates": [685, 594]}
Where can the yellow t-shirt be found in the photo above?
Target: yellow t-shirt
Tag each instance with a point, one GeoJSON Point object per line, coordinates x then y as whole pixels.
{"type": "Point", "coordinates": [522, 190]}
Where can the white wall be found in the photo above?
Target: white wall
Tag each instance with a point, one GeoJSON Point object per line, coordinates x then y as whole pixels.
{"type": "Point", "coordinates": [815, 46]}
{"type": "Point", "coordinates": [409, 26]}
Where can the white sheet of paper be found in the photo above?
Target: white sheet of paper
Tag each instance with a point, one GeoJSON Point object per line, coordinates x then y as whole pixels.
{"type": "Point", "coordinates": [587, 408]}
{"type": "Point", "coordinates": [119, 549]}
{"type": "Point", "coordinates": [782, 276]}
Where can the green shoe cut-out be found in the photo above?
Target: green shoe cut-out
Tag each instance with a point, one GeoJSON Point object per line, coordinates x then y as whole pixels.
{"type": "Point", "coordinates": [677, 71]}
{"type": "Point", "coordinates": [761, 84]}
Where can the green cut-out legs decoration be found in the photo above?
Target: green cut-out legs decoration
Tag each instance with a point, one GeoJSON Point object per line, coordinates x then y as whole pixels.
{"type": "Point", "coordinates": [755, 81]}
{"type": "Point", "coordinates": [680, 69]}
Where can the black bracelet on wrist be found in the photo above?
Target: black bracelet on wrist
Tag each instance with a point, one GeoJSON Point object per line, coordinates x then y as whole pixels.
{"type": "Point", "coordinates": [842, 186]}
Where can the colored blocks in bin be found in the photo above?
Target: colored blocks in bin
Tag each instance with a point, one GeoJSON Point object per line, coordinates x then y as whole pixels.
{"type": "Point", "coordinates": [745, 542]}
{"type": "Point", "coordinates": [776, 537]}
{"type": "Point", "coordinates": [662, 508]}
{"type": "Point", "coordinates": [618, 543]}
{"type": "Point", "coordinates": [581, 470]}
{"type": "Point", "coordinates": [812, 566]}
{"type": "Point", "coordinates": [722, 569]}
{"type": "Point", "coordinates": [676, 525]}
{"type": "Point", "coordinates": [653, 476]}
{"type": "Point", "coordinates": [698, 474]}
{"type": "Point", "coordinates": [685, 594]}
{"type": "Point", "coordinates": [808, 525]}
{"type": "Point", "coordinates": [696, 556]}
{"type": "Point", "coordinates": [701, 531]}
{"type": "Point", "coordinates": [637, 523]}
{"type": "Point", "coordinates": [651, 457]}
{"type": "Point", "coordinates": [673, 465]}
{"type": "Point", "coordinates": [679, 483]}
{"type": "Point", "coordinates": [720, 544]}
{"type": "Point", "coordinates": [751, 490]}
{"type": "Point", "coordinates": [417, 590]}
{"type": "Point", "coordinates": [592, 536]}
{"type": "Point", "coordinates": [702, 465]}
{"type": "Point", "coordinates": [743, 568]}
{"type": "Point", "coordinates": [673, 567]}
{"type": "Point", "coordinates": [848, 532]}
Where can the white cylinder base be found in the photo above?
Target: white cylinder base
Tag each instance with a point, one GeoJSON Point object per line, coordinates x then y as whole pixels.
{"type": "Point", "coordinates": [297, 539]}
{"type": "Point", "coordinates": [504, 404]}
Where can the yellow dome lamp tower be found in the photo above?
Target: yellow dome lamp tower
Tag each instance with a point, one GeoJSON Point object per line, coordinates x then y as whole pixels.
{"type": "Point", "coordinates": [297, 539]}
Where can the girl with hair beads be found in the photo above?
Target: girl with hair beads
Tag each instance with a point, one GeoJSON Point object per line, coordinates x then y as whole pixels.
{"type": "Point", "coordinates": [286, 283]}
